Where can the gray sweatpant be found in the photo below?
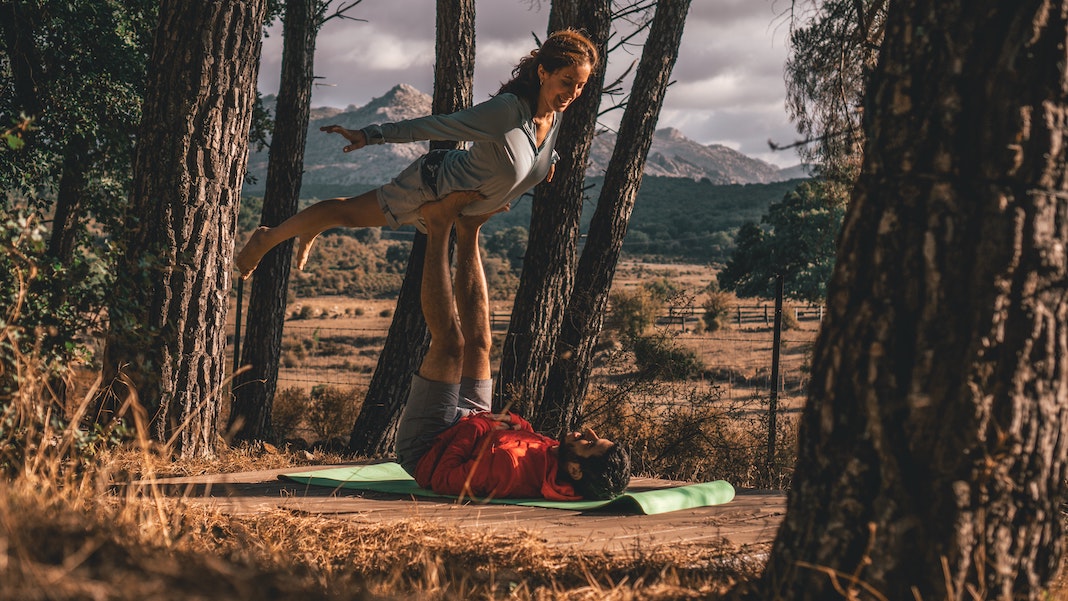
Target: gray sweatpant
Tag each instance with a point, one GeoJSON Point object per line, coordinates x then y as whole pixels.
{"type": "Point", "coordinates": [432, 408]}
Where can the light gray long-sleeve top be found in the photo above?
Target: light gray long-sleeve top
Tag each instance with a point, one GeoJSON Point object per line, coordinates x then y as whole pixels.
{"type": "Point", "coordinates": [503, 160]}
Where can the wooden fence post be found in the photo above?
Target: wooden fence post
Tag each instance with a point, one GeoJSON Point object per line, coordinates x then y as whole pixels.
{"type": "Point", "coordinates": [773, 401]}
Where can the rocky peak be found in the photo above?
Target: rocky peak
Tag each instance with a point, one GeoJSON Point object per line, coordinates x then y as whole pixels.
{"type": "Point", "coordinates": [672, 154]}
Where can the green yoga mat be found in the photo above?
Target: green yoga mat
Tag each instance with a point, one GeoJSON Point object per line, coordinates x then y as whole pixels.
{"type": "Point", "coordinates": [391, 478]}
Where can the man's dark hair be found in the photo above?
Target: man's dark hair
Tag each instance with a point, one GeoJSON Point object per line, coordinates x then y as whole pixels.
{"type": "Point", "coordinates": [605, 476]}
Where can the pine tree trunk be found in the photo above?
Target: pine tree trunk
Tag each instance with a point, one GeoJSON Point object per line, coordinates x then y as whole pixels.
{"type": "Point", "coordinates": [68, 216]}
{"type": "Point", "coordinates": [549, 263]}
{"type": "Point", "coordinates": [933, 445]}
{"type": "Point", "coordinates": [408, 338]}
{"type": "Point", "coordinates": [568, 378]}
{"type": "Point", "coordinates": [253, 390]}
{"type": "Point", "coordinates": [167, 335]}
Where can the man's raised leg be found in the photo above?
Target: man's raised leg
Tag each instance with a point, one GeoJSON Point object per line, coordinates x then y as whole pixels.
{"type": "Point", "coordinates": [435, 390]}
{"type": "Point", "coordinates": [472, 303]}
{"type": "Point", "coordinates": [472, 298]}
{"type": "Point", "coordinates": [442, 362]}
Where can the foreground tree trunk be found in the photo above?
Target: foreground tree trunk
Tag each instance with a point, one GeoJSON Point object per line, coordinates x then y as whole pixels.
{"type": "Point", "coordinates": [549, 263]}
{"type": "Point", "coordinates": [166, 339]}
{"type": "Point", "coordinates": [250, 416]}
{"type": "Point", "coordinates": [568, 378]}
{"type": "Point", "coordinates": [408, 337]}
{"type": "Point", "coordinates": [932, 453]}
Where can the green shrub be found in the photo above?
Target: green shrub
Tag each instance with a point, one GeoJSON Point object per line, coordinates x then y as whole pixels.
{"type": "Point", "coordinates": [634, 312]}
{"type": "Point", "coordinates": [659, 357]}
{"type": "Point", "coordinates": [287, 412]}
{"type": "Point", "coordinates": [332, 410]}
{"type": "Point", "coordinates": [717, 309]}
{"type": "Point", "coordinates": [683, 432]}
{"type": "Point", "coordinates": [789, 318]}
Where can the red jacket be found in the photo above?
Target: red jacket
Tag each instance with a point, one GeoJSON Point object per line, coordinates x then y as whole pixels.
{"type": "Point", "coordinates": [475, 458]}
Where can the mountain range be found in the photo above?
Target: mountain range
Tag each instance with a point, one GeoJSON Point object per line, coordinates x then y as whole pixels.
{"type": "Point", "coordinates": [672, 154]}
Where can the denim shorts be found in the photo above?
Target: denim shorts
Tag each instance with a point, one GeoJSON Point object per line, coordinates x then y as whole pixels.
{"type": "Point", "coordinates": [417, 185]}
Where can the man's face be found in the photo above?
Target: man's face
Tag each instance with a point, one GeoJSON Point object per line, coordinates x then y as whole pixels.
{"type": "Point", "coordinates": [585, 444]}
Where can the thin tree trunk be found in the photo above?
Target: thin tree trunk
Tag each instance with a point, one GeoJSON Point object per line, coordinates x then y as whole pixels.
{"type": "Point", "coordinates": [408, 338]}
{"type": "Point", "coordinates": [549, 263]}
{"type": "Point", "coordinates": [569, 376]}
{"type": "Point", "coordinates": [68, 216]}
{"type": "Point", "coordinates": [932, 453]}
{"type": "Point", "coordinates": [24, 59]}
{"type": "Point", "coordinates": [250, 416]}
{"type": "Point", "coordinates": [166, 339]}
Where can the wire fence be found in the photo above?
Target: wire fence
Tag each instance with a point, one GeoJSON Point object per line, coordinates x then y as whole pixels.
{"type": "Point", "coordinates": [738, 360]}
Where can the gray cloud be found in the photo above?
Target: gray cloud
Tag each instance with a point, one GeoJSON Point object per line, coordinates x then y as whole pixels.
{"type": "Point", "coordinates": [729, 87]}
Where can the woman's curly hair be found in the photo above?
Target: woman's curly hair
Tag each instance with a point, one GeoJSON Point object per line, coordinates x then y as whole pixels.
{"type": "Point", "coordinates": [562, 48]}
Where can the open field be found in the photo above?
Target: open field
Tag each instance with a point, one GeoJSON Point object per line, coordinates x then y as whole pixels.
{"type": "Point", "coordinates": [336, 340]}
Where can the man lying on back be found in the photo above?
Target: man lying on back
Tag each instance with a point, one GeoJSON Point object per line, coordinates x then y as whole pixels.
{"type": "Point", "coordinates": [447, 437]}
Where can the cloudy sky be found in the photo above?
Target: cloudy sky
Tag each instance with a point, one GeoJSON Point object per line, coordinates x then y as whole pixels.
{"type": "Point", "coordinates": [728, 80]}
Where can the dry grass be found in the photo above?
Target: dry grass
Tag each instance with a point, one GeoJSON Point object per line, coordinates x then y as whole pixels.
{"type": "Point", "coordinates": [81, 539]}
{"type": "Point", "coordinates": [80, 527]}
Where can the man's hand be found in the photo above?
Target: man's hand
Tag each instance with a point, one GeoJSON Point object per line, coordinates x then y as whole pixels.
{"type": "Point", "coordinates": [503, 421]}
{"type": "Point", "coordinates": [356, 136]}
{"type": "Point", "coordinates": [552, 171]}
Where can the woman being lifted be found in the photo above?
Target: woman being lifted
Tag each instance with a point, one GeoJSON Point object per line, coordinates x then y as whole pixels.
{"type": "Point", "coordinates": [512, 137]}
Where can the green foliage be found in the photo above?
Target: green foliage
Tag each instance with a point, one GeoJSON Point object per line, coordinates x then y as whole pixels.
{"type": "Point", "coordinates": [49, 310]}
{"type": "Point", "coordinates": [663, 289]}
{"type": "Point", "coordinates": [634, 312]}
{"type": "Point", "coordinates": [659, 357]}
{"type": "Point", "coordinates": [800, 243]}
{"type": "Point", "coordinates": [332, 410]}
{"type": "Point", "coordinates": [83, 83]}
{"type": "Point", "coordinates": [717, 308]}
{"type": "Point", "coordinates": [508, 243]}
{"type": "Point", "coordinates": [33, 429]}
{"type": "Point", "coordinates": [674, 219]}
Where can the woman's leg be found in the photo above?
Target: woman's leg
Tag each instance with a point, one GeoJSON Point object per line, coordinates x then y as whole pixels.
{"type": "Point", "coordinates": [357, 211]}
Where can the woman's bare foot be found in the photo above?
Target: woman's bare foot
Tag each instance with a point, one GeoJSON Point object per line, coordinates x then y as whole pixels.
{"type": "Point", "coordinates": [253, 251]}
{"type": "Point", "coordinates": [304, 244]}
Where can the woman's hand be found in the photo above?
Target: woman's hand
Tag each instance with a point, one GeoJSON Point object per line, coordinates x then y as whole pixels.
{"type": "Point", "coordinates": [552, 171]}
{"type": "Point", "coordinates": [357, 138]}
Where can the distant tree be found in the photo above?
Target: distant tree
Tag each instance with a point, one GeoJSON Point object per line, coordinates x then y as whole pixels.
{"type": "Point", "coordinates": [549, 262]}
{"type": "Point", "coordinates": [166, 338]}
{"type": "Point", "coordinates": [800, 244]}
{"type": "Point", "coordinates": [509, 243]}
{"type": "Point", "coordinates": [832, 51]}
{"type": "Point", "coordinates": [931, 454]}
{"type": "Point", "coordinates": [568, 377]}
{"type": "Point", "coordinates": [408, 338]}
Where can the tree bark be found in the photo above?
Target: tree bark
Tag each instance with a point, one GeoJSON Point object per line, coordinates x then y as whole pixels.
{"type": "Point", "coordinates": [19, 27]}
{"type": "Point", "coordinates": [932, 452]}
{"type": "Point", "coordinates": [253, 390]}
{"type": "Point", "coordinates": [549, 263]}
{"type": "Point", "coordinates": [166, 339]}
{"type": "Point", "coordinates": [569, 376]}
{"type": "Point", "coordinates": [68, 215]}
{"type": "Point", "coordinates": [408, 338]}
